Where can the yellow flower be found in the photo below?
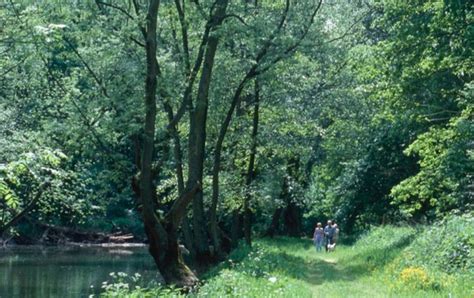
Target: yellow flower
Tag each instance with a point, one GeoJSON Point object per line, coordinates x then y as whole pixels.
{"type": "Point", "coordinates": [415, 277]}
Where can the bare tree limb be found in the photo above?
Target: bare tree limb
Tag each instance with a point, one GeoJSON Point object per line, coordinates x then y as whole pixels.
{"type": "Point", "coordinates": [296, 44]}
{"type": "Point", "coordinates": [139, 43]}
{"type": "Point", "coordinates": [89, 69]}
{"type": "Point", "coordinates": [184, 33]}
{"type": "Point", "coordinates": [122, 10]}
{"type": "Point", "coordinates": [232, 15]}
{"type": "Point", "coordinates": [348, 30]}
{"type": "Point", "coordinates": [13, 66]}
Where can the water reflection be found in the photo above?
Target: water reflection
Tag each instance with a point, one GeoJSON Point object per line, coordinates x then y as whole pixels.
{"type": "Point", "coordinates": [66, 272]}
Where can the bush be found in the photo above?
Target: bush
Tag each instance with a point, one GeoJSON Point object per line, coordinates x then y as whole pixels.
{"type": "Point", "coordinates": [252, 272]}
{"type": "Point", "coordinates": [133, 286]}
{"type": "Point", "coordinates": [446, 246]}
{"type": "Point", "coordinates": [414, 277]}
{"type": "Point", "coordinates": [439, 257]}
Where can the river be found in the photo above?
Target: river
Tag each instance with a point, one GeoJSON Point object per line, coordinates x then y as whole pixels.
{"type": "Point", "coordinates": [67, 271]}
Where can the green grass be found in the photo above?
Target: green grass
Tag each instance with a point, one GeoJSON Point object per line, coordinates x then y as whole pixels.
{"type": "Point", "coordinates": [375, 266]}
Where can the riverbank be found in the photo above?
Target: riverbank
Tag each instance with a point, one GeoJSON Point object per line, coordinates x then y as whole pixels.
{"type": "Point", "coordinates": [51, 235]}
{"type": "Point", "coordinates": [75, 244]}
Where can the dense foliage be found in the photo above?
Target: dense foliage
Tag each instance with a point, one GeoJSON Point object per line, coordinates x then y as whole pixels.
{"type": "Point", "coordinates": [212, 121]}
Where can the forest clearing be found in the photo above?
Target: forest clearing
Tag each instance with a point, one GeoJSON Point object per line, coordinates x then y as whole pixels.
{"type": "Point", "coordinates": [236, 148]}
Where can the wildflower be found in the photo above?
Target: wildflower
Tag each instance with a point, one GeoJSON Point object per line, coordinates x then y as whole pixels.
{"type": "Point", "coordinates": [415, 276]}
{"type": "Point", "coordinates": [272, 279]}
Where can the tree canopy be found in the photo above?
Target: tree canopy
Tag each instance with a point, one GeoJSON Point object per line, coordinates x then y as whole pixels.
{"type": "Point", "coordinates": [211, 121]}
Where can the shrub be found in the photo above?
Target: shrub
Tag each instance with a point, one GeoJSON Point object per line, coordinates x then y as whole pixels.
{"type": "Point", "coordinates": [414, 277]}
{"type": "Point", "coordinates": [131, 286]}
{"type": "Point", "coordinates": [252, 272]}
{"type": "Point", "coordinates": [446, 246]}
{"type": "Point", "coordinates": [439, 257]}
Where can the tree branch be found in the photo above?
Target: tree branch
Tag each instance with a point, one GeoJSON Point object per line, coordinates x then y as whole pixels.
{"type": "Point", "coordinates": [232, 15]}
{"type": "Point", "coordinates": [347, 31]}
{"type": "Point", "coordinates": [122, 10]}
{"type": "Point", "coordinates": [184, 33]}
{"type": "Point", "coordinates": [296, 44]}
{"type": "Point", "coordinates": [13, 66]}
{"type": "Point", "coordinates": [267, 44]}
{"type": "Point", "coordinates": [31, 204]}
{"type": "Point", "coordinates": [178, 209]}
{"type": "Point", "coordinates": [139, 43]}
{"type": "Point", "coordinates": [89, 69]}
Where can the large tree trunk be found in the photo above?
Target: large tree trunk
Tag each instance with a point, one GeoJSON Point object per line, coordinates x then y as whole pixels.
{"type": "Point", "coordinates": [197, 137]}
{"type": "Point", "coordinates": [161, 234]}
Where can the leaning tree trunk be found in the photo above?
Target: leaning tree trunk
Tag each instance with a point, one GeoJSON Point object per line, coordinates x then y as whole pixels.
{"type": "Point", "coordinates": [197, 137]}
{"type": "Point", "coordinates": [161, 233]}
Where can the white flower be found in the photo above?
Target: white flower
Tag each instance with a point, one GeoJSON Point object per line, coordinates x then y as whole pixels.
{"type": "Point", "coordinates": [57, 26]}
{"type": "Point", "coordinates": [272, 279]}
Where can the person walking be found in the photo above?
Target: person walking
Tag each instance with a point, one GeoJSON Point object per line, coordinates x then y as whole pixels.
{"type": "Point", "coordinates": [336, 233]}
{"type": "Point", "coordinates": [318, 237]}
{"type": "Point", "coordinates": [328, 234]}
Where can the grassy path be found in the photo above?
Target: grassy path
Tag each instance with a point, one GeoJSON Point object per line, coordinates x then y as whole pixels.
{"type": "Point", "coordinates": [289, 267]}
{"type": "Point", "coordinates": [343, 273]}
{"type": "Point", "coordinates": [336, 274]}
{"type": "Point", "coordinates": [330, 275]}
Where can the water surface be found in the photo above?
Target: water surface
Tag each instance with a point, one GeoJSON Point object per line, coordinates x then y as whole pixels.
{"type": "Point", "coordinates": [67, 271]}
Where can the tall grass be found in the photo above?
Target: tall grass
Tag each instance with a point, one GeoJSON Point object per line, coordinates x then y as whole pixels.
{"type": "Point", "coordinates": [388, 261]}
